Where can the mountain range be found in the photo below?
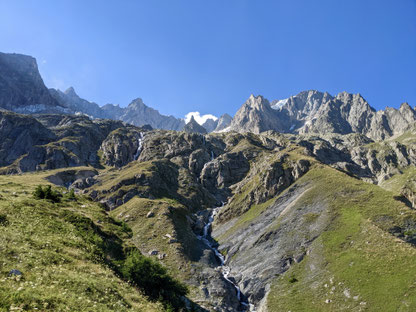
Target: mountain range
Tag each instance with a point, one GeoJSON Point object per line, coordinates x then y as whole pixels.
{"type": "Point", "coordinates": [22, 90]}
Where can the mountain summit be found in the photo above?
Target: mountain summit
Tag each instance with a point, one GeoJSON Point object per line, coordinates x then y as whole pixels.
{"type": "Point", "coordinates": [193, 126]}
{"type": "Point", "coordinates": [316, 112]}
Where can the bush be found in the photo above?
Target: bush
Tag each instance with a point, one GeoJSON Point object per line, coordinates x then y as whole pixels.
{"type": "Point", "coordinates": [47, 193]}
{"type": "Point", "coordinates": [293, 279]}
{"type": "Point", "coordinates": [71, 195]}
{"type": "Point", "coordinates": [154, 280]}
{"type": "Point", "coordinates": [3, 220]}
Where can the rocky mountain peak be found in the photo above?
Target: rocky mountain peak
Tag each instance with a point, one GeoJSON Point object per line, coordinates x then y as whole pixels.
{"type": "Point", "coordinates": [318, 112]}
{"type": "Point", "coordinates": [71, 92]}
{"type": "Point", "coordinates": [354, 99]}
{"type": "Point", "coordinates": [193, 127]}
{"type": "Point", "coordinates": [137, 102]}
{"type": "Point", "coordinates": [257, 102]}
{"type": "Point", "coordinates": [406, 108]}
{"type": "Point", "coordinates": [255, 115]}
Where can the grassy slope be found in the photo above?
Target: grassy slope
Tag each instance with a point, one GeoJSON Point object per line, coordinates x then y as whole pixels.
{"type": "Point", "coordinates": [61, 267]}
{"type": "Point", "coordinates": [356, 264]}
{"type": "Point", "coordinates": [150, 233]}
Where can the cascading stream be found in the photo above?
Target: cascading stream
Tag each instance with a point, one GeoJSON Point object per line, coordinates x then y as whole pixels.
{"type": "Point", "coordinates": [139, 146]}
{"type": "Point", "coordinates": [207, 239]}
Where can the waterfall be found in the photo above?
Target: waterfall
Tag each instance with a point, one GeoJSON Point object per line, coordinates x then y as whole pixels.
{"type": "Point", "coordinates": [139, 146]}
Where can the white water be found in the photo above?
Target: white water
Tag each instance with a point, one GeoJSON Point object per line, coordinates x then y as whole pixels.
{"type": "Point", "coordinates": [212, 155]}
{"type": "Point", "coordinates": [140, 146]}
{"type": "Point", "coordinates": [224, 269]}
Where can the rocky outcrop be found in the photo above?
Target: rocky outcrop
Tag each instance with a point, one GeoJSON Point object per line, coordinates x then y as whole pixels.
{"type": "Point", "coordinates": [359, 156]}
{"type": "Point", "coordinates": [224, 171]}
{"type": "Point", "coordinates": [51, 141]}
{"type": "Point", "coordinates": [21, 87]}
{"type": "Point", "coordinates": [68, 177]}
{"type": "Point", "coordinates": [19, 134]}
{"type": "Point", "coordinates": [122, 146]}
{"type": "Point", "coordinates": [193, 127]}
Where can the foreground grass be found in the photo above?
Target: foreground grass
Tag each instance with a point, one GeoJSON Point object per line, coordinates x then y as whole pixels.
{"type": "Point", "coordinates": [64, 251]}
{"type": "Point", "coordinates": [356, 264]}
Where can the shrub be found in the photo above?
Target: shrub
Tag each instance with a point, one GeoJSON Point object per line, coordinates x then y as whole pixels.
{"type": "Point", "coordinates": [153, 279]}
{"type": "Point", "coordinates": [126, 229]}
{"type": "Point", "coordinates": [3, 220]}
{"type": "Point", "coordinates": [47, 193]}
{"type": "Point", "coordinates": [293, 279]}
{"type": "Point", "coordinates": [71, 195]}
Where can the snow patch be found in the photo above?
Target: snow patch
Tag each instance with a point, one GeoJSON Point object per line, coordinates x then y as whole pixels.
{"type": "Point", "coordinates": [279, 104]}
{"type": "Point", "coordinates": [228, 129]}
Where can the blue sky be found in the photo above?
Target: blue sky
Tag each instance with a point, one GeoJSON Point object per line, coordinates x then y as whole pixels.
{"type": "Point", "coordinates": [209, 56]}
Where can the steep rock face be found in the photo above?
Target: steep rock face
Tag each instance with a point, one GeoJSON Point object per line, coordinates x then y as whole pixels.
{"type": "Point", "coordinates": [256, 115]}
{"type": "Point", "coordinates": [113, 111]}
{"type": "Point", "coordinates": [297, 110]}
{"type": "Point", "coordinates": [223, 122]}
{"type": "Point", "coordinates": [317, 112]}
{"type": "Point", "coordinates": [139, 114]}
{"type": "Point", "coordinates": [189, 150]}
{"type": "Point", "coordinates": [122, 146]}
{"type": "Point", "coordinates": [18, 136]}
{"type": "Point", "coordinates": [193, 126]}
{"type": "Point", "coordinates": [21, 87]}
{"type": "Point", "coordinates": [347, 113]}
{"type": "Point", "coordinates": [261, 251]}
{"type": "Point", "coordinates": [75, 104]}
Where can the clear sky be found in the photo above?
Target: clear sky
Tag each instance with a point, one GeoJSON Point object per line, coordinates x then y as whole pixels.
{"type": "Point", "coordinates": [209, 56]}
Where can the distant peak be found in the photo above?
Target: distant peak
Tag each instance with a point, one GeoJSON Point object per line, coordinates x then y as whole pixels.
{"type": "Point", "coordinates": [405, 106]}
{"type": "Point", "coordinates": [225, 116]}
{"type": "Point", "coordinates": [254, 97]}
{"type": "Point", "coordinates": [256, 101]}
{"type": "Point", "coordinates": [70, 91]}
{"type": "Point", "coordinates": [138, 100]}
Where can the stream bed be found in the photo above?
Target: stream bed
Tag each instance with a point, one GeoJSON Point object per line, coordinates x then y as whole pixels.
{"type": "Point", "coordinates": [225, 270]}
